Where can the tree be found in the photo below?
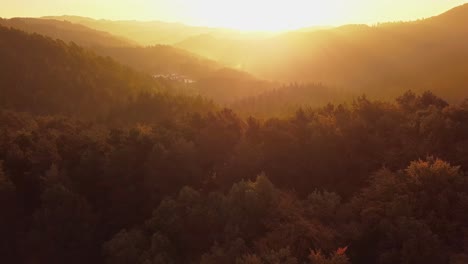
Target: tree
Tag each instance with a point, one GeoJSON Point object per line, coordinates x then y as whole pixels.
{"type": "Point", "coordinates": [10, 220]}
{"type": "Point", "coordinates": [63, 228]}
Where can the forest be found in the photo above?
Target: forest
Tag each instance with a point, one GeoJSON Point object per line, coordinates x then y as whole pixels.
{"type": "Point", "coordinates": [101, 162]}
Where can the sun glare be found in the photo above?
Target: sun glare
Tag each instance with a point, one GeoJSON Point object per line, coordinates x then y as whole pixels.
{"type": "Point", "coordinates": [267, 15]}
{"type": "Point", "coordinates": [251, 15]}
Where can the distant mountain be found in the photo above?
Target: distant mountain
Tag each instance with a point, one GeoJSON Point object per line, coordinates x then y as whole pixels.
{"type": "Point", "coordinates": [67, 31]}
{"type": "Point", "coordinates": [158, 59]}
{"type": "Point", "coordinates": [228, 49]}
{"type": "Point", "coordinates": [155, 32]}
{"type": "Point", "coordinates": [382, 60]}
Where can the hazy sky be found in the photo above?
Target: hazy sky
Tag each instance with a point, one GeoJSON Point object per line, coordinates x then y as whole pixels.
{"type": "Point", "coordinates": [242, 14]}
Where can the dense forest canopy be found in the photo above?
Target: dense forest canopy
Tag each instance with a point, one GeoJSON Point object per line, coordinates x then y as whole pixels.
{"type": "Point", "coordinates": [284, 100]}
{"type": "Point", "coordinates": [102, 162]}
{"type": "Point", "coordinates": [336, 185]}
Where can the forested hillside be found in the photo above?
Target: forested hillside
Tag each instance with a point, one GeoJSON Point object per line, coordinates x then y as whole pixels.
{"type": "Point", "coordinates": [198, 75]}
{"type": "Point", "coordinates": [206, 77]}
{"type": "Point", "coordinates": [157, 59]}
{"type": "Point", "coordinates": [101, 163]}
{"type": "Point", "coordinates": [46, 76]}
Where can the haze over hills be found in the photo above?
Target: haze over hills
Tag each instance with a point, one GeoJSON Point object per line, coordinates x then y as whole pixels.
{"type": "Point", "coordinates": [210, 78]}
{"type": "Point", "coordinates": [158, 59]}
{"type": "Point", "coordinates": [41, 75]}
{"type": "Point", "coordinates": [381, 60]}
{"type": "Point", "coordinates": [68, 31]}
{"type": "Point", "coordinates": [156, 32]}
{"type": "Point", "coordinates": [161, 59]}
{"type": "Point", "coordinates": [202, 76]}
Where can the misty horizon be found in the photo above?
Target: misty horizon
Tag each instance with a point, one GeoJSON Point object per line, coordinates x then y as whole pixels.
{"type": "Point", "coordinates": [257, 19]}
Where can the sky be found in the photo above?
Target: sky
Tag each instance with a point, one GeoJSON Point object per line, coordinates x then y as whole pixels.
{"type": "Point", "coordinates": [238, 14]}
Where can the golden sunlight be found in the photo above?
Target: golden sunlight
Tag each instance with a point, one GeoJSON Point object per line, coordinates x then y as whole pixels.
{"type": "Point", "coordinates": [253, 15]}
{"type": "Point", "coordinates": [269, 15]}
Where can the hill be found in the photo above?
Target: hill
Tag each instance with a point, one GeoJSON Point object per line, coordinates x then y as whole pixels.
{"type": "Point", "coordinates": [158, 59]}
{"type": "Point", "coordinates": [198, 75]}
{"type": "Point", "coordinates": [67, 32]}
{"type": "Point", "coordinates": [46, 76]}
{"type": "Point", "coordinates": [207, 77]}
{"type": "Point", "coordinates": [381, 60]}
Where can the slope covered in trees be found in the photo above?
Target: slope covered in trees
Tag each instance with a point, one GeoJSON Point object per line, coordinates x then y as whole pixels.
{"type": "Point", "coordinates": [159, 59]}
{"type": "Point", "coordinates": [285, 100]}
{"type": "Point", "coordinates": [45, 76]}
{"type": "Point", "coordinates": [209, 78]}
{"type": "Point", "coordinates": [200, 76]}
